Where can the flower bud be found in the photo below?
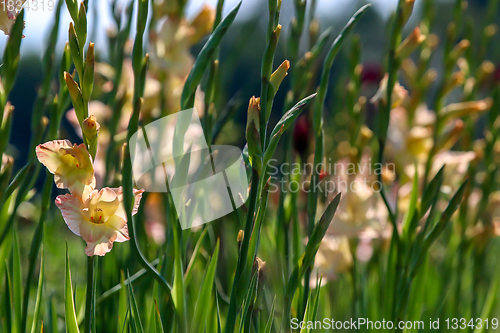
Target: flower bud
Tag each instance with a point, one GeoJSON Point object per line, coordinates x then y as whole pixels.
{"type": "Point", "coordinates": [74, 47]}
{"type": "Point", "coordinates": [410, 44]}
{"type": "Point", "coordinates": [88, 76]}
{"type": "Point", "coordinates": [252, 132]}
{"type": "Point", "coordinates": [90, 127]}
{"type": "Point", "coordinates": [239, 239]}
{"type": "Point", "coordinates": [76, 95]}
{"type": "Point", "coordinates": [279, 75]}
{"type": "Point", "coordinates": [407, 8]}
{"type": "Point", "coordinates": [459, 50]}
{"type": "Point", "coordinates": [459, 110]}
{"type": "Point", "coordinates": [457, 79]}
{"type": "Point", "coordinates": [486, 69]}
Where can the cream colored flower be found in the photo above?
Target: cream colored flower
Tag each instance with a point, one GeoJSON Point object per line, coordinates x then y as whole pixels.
{"type": "Point", "coordinates": [71, 165]}
{"type": "Point", "coordinates": [100, 220]}
{"type": "Point", "coordinates": [333, 258]}
{"type": "Point", "coordinates": [360, 206]}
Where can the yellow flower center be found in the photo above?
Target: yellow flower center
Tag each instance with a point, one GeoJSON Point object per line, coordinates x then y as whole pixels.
{"type": "Point", "coordinates": [97, 216]}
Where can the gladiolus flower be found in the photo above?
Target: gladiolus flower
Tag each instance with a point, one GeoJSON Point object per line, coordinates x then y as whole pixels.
{"type": "Point", "coordinates": [399, 93]}
{"type": "Point", "coordinates": [8, 14]}
{"type": "Point", "coordinates": [100, 220]}
{"type": "Point", "coordinates": [71, 165]}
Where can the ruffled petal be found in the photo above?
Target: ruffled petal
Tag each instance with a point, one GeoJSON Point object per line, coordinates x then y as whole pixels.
{"type": "Point", "coordinates": [82, 191]}
{"type": "Point", "coordinates": [92, 232]}
{"type": "Point", "coordinates": [137, 201]}
{"type": "Point", "coordinates": [99, 248]}
{"type": "Point", "coordinates": [71, 208]}
{"type": "Point", "coordinates": [119, 227]}
{"type": "Point", "coordinates": [48, 153]}
{"type": "Point", "coordinates": [106, 200]}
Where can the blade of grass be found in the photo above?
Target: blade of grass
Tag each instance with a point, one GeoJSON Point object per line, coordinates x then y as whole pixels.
{"type": "Point", "coordinates": [16, 282]}
{"type": "Point", "coordinates": [201, 309]}
{"type": "Point", "coordinates": [204, 57]}
{"type": "Point", "coordinates": [69, 304]}
{"type": "Point", "coordinates": [38, 303]}
{"type": "Point", "coordinates": [135, 317]}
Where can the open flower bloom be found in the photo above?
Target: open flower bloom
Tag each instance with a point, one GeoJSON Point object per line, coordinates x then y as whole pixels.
{"type": "Point", "coordinates": [8, 13]}
{"type": "Point", "coordinates": [100, 220]}
{"type": "Point", "coordinates": [334, 257]}
{"type": "Point", "coordinates": [71, 165]}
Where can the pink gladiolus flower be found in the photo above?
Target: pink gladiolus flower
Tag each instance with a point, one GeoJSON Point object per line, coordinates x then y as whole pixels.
{"type": "Point", "coordinates": [100, 220]}
{"type": "Point", "coordinates": [71, 165]}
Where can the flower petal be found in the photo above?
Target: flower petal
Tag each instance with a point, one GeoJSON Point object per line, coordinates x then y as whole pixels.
{"type": "Point", "coordinates": [48, 153]}
{"type": "Point", "coordinates": [92, 232]}
{"type": "Point", "coordinates": [99, 248]}
{"type": "Point", "coordinates": [106, 200]}
{"type": "Point", "coordinates": [71, 208]}
{"type": "Point", "coordinates": [137, 201]}
{"type": "Point", "coordinates": [119, 226]}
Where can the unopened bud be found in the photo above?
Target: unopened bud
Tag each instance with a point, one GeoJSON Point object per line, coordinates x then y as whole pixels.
{"type": "Point", "coordinates": [486, 69]}
{"type": "Point", "coordinates": [279, 75]}
{"type": "Point", "coordinates": [457, 79]}
{"type": "Point", "coordinates": [407, 8]}
{"type": "Point", "coordinates": [88, 76]}
{"type": "Point", "coordinates": [74, 47]}
{"type": "Point", "coordinates": [252, 132]}
{"type": "Point", "coordinates": [459, 50]}
{"type": "Point", "coordinates": [239, 239]}
{"type": "Point", "coordinates": [8, 109]}
{"type": "Point", "coordinates": [459, 110]}
{"type": "Point", "coordinates": [90, 127]}
{"type": "Point", "coordinates": [365, 135]}
{"type": "Point", "coordinates": [410, 44]}
{"type": "Point", "coordinates": [469, 85]}
{"type": "Point", "coordinates": [76, 95]}
{"type": "Point", "coordinates": [254, 111]}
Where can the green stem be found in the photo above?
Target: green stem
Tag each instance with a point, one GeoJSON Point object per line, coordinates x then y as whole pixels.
{"type": "Point", "coordinates": [90, 294]}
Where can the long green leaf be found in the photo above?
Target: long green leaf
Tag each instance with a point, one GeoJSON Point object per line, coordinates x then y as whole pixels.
{"type": "Point", "coordinates": [178, 289]}
{"type": "Point", "coordinates": [69, 305]}
{"type": "Point", "coordinates": [16, 282]}
{"type": "Point", "coordinates": [204, 57]}
{"type": "Point", "coordinates": [135, 317]}
{"type": "Point", "coordinates": [292, 114]}
{"type": "Point", "coordinates": [201, 309]}
{"type": "Point", "coordinates": [36, 316]}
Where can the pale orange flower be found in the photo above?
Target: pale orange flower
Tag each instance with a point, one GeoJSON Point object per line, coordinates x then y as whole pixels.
{"type": "Point", "coordinates": [100, 220]}
{"type": "Point", "coordinates": [71, 165]}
